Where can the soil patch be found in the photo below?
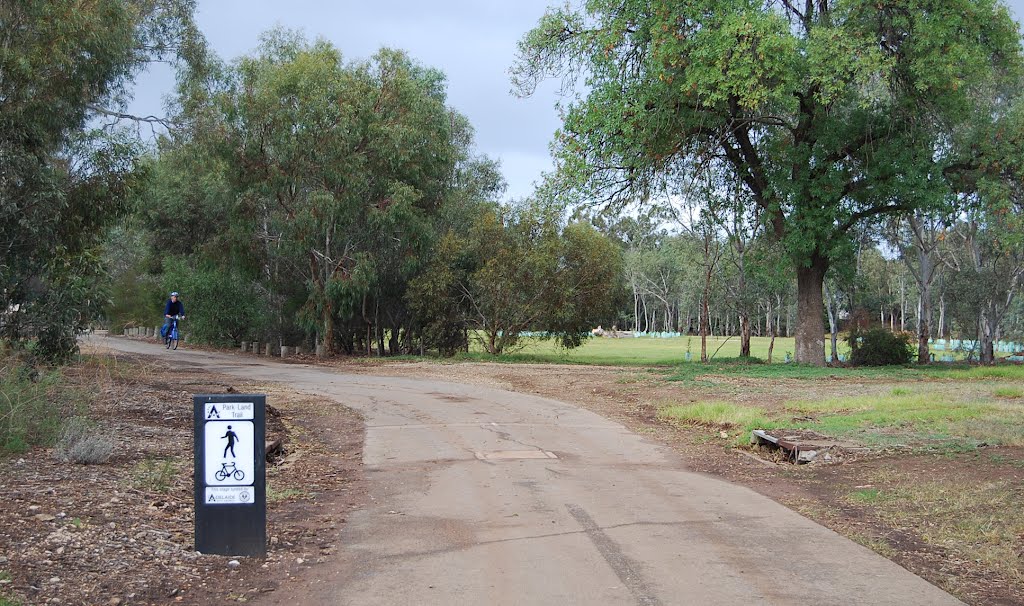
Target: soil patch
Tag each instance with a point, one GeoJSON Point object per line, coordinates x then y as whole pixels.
{"type": "Point", "coordinates": [122, 532]}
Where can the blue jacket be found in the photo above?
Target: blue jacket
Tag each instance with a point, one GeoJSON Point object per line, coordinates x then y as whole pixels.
{"type": "Point", "coordinates": [174, 308]}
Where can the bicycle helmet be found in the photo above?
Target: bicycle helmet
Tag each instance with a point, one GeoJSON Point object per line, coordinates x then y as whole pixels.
{"type": "Point", "coordinates": [174, 294]}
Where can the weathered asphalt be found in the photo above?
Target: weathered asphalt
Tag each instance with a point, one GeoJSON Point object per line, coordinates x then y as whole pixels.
{"type": "Point", "coordinates": [458, 516]}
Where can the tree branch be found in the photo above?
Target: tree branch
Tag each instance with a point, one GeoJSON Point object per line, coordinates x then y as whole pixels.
{"type": "Point", "coordinates": [872, 212]}
{"type": "Point", "coordinates": [166, 123]}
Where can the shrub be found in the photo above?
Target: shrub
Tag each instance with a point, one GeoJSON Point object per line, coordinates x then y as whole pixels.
{"type": "Point", "coordinates": [879, 347]}
{"type": "Point", "coordinates": [156, 475]}
{"type": "Point", "coordinates": [82, 441]}
{"type": "Point", "coordinates": [222, 306]}
{"type": "Point", "coordinates": [28, 415]}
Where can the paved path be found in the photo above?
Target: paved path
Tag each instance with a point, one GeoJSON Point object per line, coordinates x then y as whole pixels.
{"type": "Point", "coordinates": [488, 497]}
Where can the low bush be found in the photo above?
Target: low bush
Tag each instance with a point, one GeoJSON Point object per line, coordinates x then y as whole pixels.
{"type": "Point", "coordinates": [29, 416]}
{"type": "Point", "coordinates": [879, 347]}
{"type": "Point", "coordinates": [156, 475]}
{"type": "Point", "coordinates": [83, 441]}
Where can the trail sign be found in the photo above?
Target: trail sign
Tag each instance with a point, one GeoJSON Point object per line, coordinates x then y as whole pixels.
{"type": "Point", "coordinates": [230, 474]}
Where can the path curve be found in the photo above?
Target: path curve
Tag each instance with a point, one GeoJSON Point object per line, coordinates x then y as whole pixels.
{"type": "Point", "coordinates": [483, 496]}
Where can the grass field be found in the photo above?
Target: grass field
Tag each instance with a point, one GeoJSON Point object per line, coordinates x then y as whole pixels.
{"type": "Point", "coordinates": [649, 351]}
{"type": "Point", "coordinates": [930, 416]}
{"type": "Point", "coordinates": [644, 351]}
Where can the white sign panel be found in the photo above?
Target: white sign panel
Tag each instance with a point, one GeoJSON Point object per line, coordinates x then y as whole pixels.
{"type": "Point", "coordinates": [229, 411]}
{"type": "Point", "coordinates": [230, 453]}
{"type": "Point", "coordinates": [229, 495]}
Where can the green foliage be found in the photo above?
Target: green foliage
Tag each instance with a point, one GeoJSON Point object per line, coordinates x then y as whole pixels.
{"type": "Point", "coordinates": [436, 295]}
{"type": "Point", "coordinates": [517, 270]}
{"type": "Point", "coordinates": [65, 66]}
{"type": "Point", "coordinates": [136, 296]}
{"type": "Point", "coordinates": [30, 415]}
{"type": "Point", "coordinates": [156, 475]}
{"type": "Point", "coordinates": [879, 347]}
{"type": "Point", "coordinates": [828, 113]}
{"type": "Point", "coordinates": [531, 275]}
{"type": "Point", "coordinates": [221, 306]}
{"type": "Point", "coordinates": [326, 182]}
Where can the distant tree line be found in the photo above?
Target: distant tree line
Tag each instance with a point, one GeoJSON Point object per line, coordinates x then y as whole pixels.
{"type": "Point", "coordinates": [731, 168]}
{"type": "Point", "coordinates": [339, 204]}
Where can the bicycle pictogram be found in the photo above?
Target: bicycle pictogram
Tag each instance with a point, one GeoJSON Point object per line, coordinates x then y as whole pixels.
{"type": "Point", "coordinates": [229, 470]}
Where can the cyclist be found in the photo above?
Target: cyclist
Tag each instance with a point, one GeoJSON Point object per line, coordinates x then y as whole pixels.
{"type": "Point", "coordinates": [173, 308]}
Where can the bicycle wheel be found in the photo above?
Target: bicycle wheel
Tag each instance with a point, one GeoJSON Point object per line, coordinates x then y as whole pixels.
{"type": "Point", "coordinates": [175, 344]}
{"type": "Point", "coordinates": [167, 342]}
{"type": "Point", "coordinates": [239, 474]}
{"type": "Point", "coordinates": [220, 475]}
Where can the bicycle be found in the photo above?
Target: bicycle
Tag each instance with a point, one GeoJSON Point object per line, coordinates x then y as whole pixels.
{"type": "Point", "coordinates": [171, 338]}
{"type": "Point", "coordinates": [225, 471]}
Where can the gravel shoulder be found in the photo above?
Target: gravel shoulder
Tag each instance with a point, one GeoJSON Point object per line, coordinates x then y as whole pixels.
{"type": "Point", "coordinates": [122, 532]}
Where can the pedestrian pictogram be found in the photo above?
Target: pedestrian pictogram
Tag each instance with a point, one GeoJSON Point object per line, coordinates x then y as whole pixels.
{"type": "Point", "coordinates": [231, 437]}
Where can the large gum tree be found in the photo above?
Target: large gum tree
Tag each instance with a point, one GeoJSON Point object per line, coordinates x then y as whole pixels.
{"type": "Point", "coordinates": [66, 172]}
{"type": "Point", "coordinates": [830, 112]}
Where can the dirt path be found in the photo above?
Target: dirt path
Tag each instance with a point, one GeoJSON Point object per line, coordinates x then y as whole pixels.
{"type": "Point", "coordinates": [480, 495]}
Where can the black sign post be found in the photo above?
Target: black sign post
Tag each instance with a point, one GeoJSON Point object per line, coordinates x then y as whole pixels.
{"type": "Point", "coordinates": [230, 474]}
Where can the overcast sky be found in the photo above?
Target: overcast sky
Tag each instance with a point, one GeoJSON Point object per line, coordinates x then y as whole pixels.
{"type": "Point", "coordinates": [472, 41]}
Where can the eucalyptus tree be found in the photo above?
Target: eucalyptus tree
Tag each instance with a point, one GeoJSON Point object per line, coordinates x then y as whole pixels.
{"type": "Point", "coordinates": [985, 256]}
{"type": "Point", "coordinates": [659, 276]}
{"type": "Point", "coordinates": [337, 168]}
{"type": "Point", "coordinates": [526, 272]}
{"type": "Point", "coordinates": [639, 237]}
{"type": "Point", "coordinates": [829, 112]}
{"type": "Point", "coordinates": [772, 281]}
{"type": "Point", "coordinates": [742, 228]}
{"type": "Point", "coordinates": [917, 238]}
{"type": "Point", "coordinates": [65, 173]}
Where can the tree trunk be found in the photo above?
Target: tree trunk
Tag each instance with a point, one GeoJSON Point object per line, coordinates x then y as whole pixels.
{"type": "Point", "coordinates": [986, 351]}
{"type": "Point", "coordinates": [832, 307]}
{"type": "Point", "coordinates": [942, 317]}
{"type": "Point", "coordinates": [744, 336]}
{"type": "Point", "coordinates": [328, 344]}
{"type": "Point", "coordinates": [903, 305]}
{"type": "Point", "coordinates": [924, 328]}
{"type": "Point", "coordinates": [778, 317]}
{"type": "Point", "coordinates": [810, 329]}
{"type": "Point", "coordinates": [636, 311]}
{"type": "Point", "coordinates": [705, 312]}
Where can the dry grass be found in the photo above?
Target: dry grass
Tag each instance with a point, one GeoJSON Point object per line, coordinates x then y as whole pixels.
{"type": "Point", "coordinates": [980, 522]}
